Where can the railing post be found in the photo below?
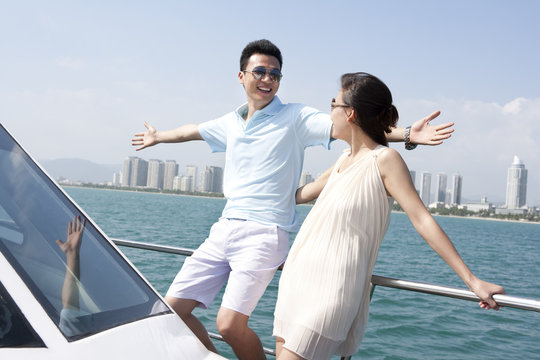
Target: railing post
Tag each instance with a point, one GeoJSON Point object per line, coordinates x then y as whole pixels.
{"type": "Point", "coordinates": [372, 290]}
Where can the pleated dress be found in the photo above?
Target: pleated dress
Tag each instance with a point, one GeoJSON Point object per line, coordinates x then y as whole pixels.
{"type": "Point", "coordinates": [324, 291]}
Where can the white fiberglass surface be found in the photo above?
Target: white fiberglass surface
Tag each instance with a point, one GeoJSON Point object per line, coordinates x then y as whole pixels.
{"type": "Point", "coordinates": [81, 281]}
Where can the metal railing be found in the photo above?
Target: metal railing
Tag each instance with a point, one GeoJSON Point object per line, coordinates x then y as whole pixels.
{"type": "Point", "coordinates": [376, 280]}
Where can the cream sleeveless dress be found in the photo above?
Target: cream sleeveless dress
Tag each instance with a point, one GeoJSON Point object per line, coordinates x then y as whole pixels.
{"type": "Point", "coordinates": [323, 299]}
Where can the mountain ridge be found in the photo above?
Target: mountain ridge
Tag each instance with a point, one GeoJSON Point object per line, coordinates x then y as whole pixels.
{"type": "Point", "coordinates": [80, 170]}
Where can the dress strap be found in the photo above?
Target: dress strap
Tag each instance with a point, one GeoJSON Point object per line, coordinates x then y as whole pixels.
{"type": "Point", "coordinates": [380, 148]}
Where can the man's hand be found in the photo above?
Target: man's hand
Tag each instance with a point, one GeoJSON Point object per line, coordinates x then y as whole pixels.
{"type": "Point", "coordinates": [425, 134]}
{"type": "Point", "coordinates": [144, 140]}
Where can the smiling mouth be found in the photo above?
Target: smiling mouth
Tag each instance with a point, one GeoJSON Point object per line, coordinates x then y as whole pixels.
{"type": "Point", "coordinates": [266, 90]}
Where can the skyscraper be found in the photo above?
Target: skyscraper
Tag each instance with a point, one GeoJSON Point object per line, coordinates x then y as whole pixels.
{"type": "Point", "coordinates": [305, 178]}
{"type": "Point", "coordinates": [171, 170]}
{"type": "Point", "coordinates": [456, 189]}
{"type": "Point", "coordinates": [139, 172]}
{"type": "Point", "coordinates": [413, 177]}
{"type": "Point", "coordinates": [191, 170]}
{"type": "Point", "coordinates": [425, 187]}
{"type": "Point", "coordinates": [126, 171]}
{"type": "Point", "coordinates": [218, 179]}
{"type": "Point", "coordinates": [117, 179]}
{"type": "Point", "coordinates": [134, 172]}
{"type": "Point", "coordinates": [155, 174]}
{"type": "Point", "coordinates": [441, 187]}
{"type": "Point", "coordinates": [212, 179]}
{"type": "Point", "coordinates": [183, 183]}
{"type": "Point", "coordinates": [516, 185]}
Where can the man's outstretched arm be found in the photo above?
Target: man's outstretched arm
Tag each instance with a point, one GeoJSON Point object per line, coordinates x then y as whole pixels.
{"type": "Point", "coordinates": [152, 137]}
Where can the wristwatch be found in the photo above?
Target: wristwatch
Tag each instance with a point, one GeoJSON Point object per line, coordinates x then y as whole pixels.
{"type": "Point", "coordinates": [408, 144]}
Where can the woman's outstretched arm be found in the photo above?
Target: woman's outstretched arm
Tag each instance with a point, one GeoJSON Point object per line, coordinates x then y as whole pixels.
{"type": "Point", "coordinates": [398, 184]}
{"type": "Point", "coordinates": [312, 190]}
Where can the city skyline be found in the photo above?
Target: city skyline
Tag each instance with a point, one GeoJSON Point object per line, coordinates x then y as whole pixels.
{"type": "Point", "coordinates": [188, 181]}
{"type": "Point", "coordinates": [166, 175]}
{"type": "Point", "coordinates": [442, 191]}
{"type": "Point", "coordinates": [90, 75]}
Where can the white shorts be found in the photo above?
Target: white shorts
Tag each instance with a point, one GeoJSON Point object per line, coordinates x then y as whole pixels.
{"type": "Point", "coordinates": [246, 253]}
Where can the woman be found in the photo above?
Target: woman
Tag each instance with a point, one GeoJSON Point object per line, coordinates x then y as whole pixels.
{"type": "Point", "coordinates": [323, 300]}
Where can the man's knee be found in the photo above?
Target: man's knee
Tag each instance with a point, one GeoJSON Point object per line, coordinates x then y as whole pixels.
{"type": "Point", "coordinates": [231, 324]}
{"type": "Point", "coordinates": [183, 307]}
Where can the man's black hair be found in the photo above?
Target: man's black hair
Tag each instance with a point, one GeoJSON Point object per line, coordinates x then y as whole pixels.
{"type": "Point", "coordinates": [264, 47]}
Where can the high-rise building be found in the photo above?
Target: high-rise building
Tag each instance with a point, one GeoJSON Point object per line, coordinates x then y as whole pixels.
{"type": "Point", "coordinates": [425, 187]}
{"type": "Point", "coordinates": [176, 182]}
{"type": "Point", "coordinates": [456, 189]}
{"type": "Point", "coordinates": [183, 183]}
{"type": "Point", "coordinates": [126, 171]}
{"type": "Point", "coordinates": [212, 179]}
{"type": "Point", "coordinates": [154, 178]}
{"type": "Point", "coordinates": [217, 185]}
{"type": "Point", "coordinates": [134, 172]}
{"type": "Point", "coordinates": [191, 170]}
{"type": "Point", "coordinates": [170, 171]}
{"type": "Point", "coordinates": [516, 185]}
{"type": "Point", "coordinates": [305, 178]}
{"type": "Point", "coordinates": [413, 177]}
{"type": "Point", "coordinates": [117, 179]}
{"type": "Point", "coordinates": [205, 182]}
{"type": "Point", "coordinates": [448, 197]}
{"type": "Point", "coordinates": [441, 188]}
{"type": "Point", "coordinates": [139, 172]}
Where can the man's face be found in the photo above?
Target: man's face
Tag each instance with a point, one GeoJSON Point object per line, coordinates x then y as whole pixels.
{"type": "Point", "coordinates": [259, 92]}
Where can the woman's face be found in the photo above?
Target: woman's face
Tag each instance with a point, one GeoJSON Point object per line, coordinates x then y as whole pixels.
{"type": "Point", "coordinates": [339, 114]}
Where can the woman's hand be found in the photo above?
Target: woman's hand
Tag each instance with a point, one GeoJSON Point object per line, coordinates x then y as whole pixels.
{"type": "Point", "coordinates": [485, 291]}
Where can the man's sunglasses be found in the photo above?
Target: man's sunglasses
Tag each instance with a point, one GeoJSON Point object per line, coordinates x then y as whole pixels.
{"type": "Point", "coordinates": [259, 72]}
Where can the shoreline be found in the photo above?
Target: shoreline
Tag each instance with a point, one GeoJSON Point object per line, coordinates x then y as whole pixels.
{"type": "Point", "coordinates": [144, 191]}
{"type": "Point", "coordinates": [492, 219]}
{"type": "Point", "coordinates": [479, 218]}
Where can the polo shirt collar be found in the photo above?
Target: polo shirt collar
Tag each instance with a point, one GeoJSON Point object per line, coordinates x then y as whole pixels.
{"type": "Point", "coordinates": [271, 109]}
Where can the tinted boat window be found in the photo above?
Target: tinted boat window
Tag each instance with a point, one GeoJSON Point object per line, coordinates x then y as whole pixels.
{"type": "Point", "coordinates": [14, 329]}
{"type": "Point", "coordinates": [82, 282]}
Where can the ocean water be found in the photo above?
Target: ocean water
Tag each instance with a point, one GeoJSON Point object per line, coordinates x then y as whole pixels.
{"type": "Point", "coordinates": [402, 324]}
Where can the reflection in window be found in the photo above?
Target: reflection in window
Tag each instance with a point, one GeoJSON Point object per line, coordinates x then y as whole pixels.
{"type": "Point", "coordinates": [83, 292]}
{"type": "Point", "coordinates": [14, 329]}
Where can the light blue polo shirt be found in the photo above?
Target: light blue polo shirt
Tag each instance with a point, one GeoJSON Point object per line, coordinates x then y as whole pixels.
{"type": "Point", "coordinates": [264, 158]}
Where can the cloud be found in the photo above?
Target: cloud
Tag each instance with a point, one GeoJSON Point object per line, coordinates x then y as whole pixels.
{"type": "Point", "coordinates": [514, 106]}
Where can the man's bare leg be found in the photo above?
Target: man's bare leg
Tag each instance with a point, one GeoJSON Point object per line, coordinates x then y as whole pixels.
{"type": "Point", "coordinates": [233, 326]}
{"type": "Point", "coordinates": [184, 309]}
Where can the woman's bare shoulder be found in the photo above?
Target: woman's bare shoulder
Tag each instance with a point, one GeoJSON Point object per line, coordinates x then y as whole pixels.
{"type": "Point", "coordinates": [388, 155]}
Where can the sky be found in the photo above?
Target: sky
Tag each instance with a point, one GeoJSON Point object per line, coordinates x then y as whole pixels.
{"type": "Point", "coordinates": [79, 78]}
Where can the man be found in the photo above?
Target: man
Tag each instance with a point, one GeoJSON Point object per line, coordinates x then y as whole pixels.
{"type": "Point", "coordinates": [264, 142]}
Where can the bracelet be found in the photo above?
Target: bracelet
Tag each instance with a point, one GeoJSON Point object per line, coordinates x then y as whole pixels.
{"type": "Point", "coordinates": [408, 144]}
